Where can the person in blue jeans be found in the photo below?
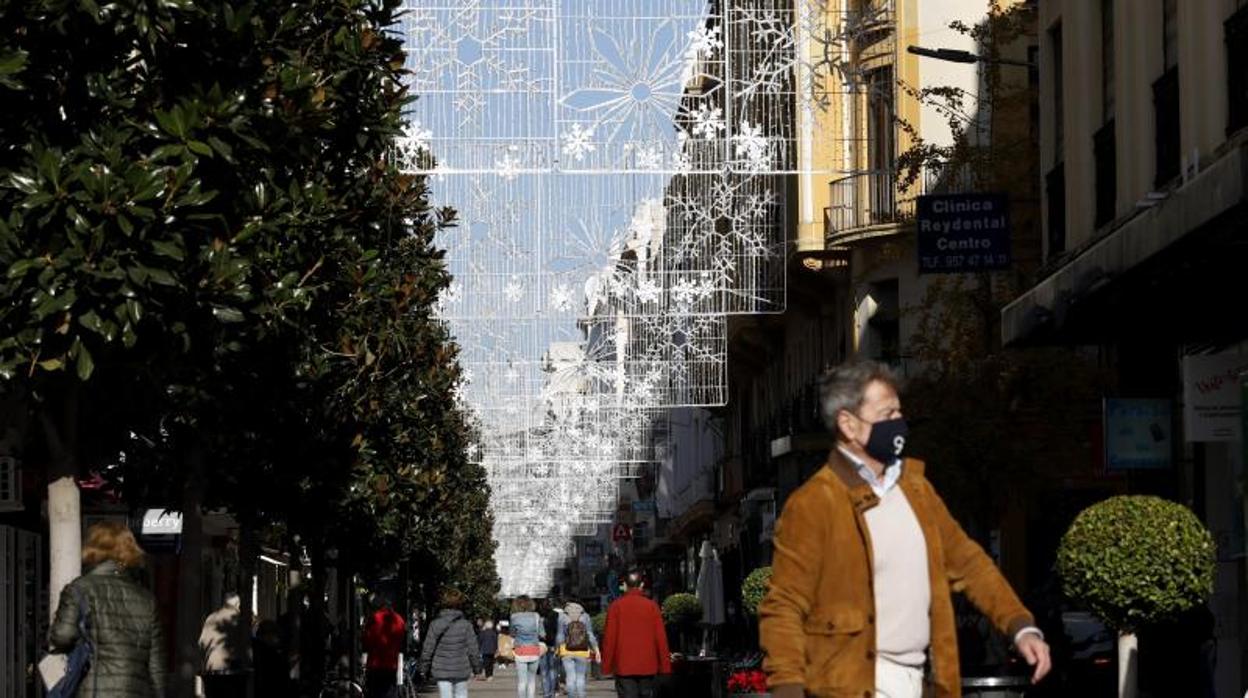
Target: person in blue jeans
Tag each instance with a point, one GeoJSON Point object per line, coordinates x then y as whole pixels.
{"type": "Point", "coordinates": [451, 654]}
{"type": "Point", "coordinates": [577, 647]}
{"type": "Point", "coordinates": [551, 618]}
{"type": "Point", "coordinates": [526, 633]}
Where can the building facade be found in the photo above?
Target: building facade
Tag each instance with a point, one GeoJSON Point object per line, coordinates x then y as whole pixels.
{"type": "Point", "coordinates": [1144, 166]}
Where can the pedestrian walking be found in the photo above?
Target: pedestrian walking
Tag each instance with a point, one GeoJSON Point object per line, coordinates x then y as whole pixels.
{"type": "Point", "coordinates": [128, 646]}
{"type": "Point", "coordinates": [550, 665]}
{"type": "Point", "coordinates": [865, 557]}
{"type": "Point", "coordinates": [577, 647]}
{"type": "Point", "coordinates": [488, 639]}
{"type": "Point", "coordinates": [506, 645]}
{"type": "Point", "coordinates": [634, 648]}
{"type": "Point", "coordinates": [225, 646]}
{"type": "Point", "coordinates": [526, 633]}
{"type": "Point", "coordinates": [271, 670]}
{"type": "Point", "coordinates": [451, 655]}
{"type": "Point", "coordinates": [385, 634]}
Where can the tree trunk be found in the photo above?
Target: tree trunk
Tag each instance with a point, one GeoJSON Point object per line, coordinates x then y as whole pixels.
{"type": "Point", "coordinates": [59, 420]}
{"type": "Point", "coordinates": [64, 537]}
{"type": "Point", "coordinates": [191, 613]}
{"type": "Point", "coordinates": [1128, 665]}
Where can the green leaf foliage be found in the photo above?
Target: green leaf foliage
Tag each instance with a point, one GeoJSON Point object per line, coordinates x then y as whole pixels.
{"type": "Point", "coordinates": [681, 610]}
{"type": "Point", "coordinates": [201, 225]}
{"type": "Point", "coordinates": [754, 588]}
{"type": "Point", "coordinates": [1134, 560]}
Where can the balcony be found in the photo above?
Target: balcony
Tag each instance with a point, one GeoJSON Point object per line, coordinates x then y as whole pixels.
{"type": "Point", "coordinates": [870, 21]}
{"type": "Point", "coordinates": [866, 205]}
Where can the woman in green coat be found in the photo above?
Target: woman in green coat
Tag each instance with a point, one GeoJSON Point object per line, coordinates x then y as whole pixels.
{"type": "Point", "coordinates": [128, 660]}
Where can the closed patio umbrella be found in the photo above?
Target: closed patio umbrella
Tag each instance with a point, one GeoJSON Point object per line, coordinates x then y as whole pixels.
{"type": "Point", "coordinates": [710, 592]}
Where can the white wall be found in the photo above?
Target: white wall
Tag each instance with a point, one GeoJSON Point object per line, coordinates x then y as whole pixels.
{"type": "Point", "coordinates": [934, 32]}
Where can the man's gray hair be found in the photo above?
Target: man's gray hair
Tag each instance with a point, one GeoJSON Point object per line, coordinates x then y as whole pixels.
{"type": "Point", "coordinates": [843, 387]}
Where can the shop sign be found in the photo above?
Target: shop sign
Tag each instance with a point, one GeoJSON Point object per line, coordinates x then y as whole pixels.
{"type": "Point", "coordinates": [960, 233]}
{"type": "Point", "coordinates": [1211, 396]}
{"type": "Point", "coordinates": [161, 522]}
{"type": "Point", "coordinates": [1137, 434]}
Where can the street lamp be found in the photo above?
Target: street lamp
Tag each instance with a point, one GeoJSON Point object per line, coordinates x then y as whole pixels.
{"type": "Point", "coordinates": [954, 55]}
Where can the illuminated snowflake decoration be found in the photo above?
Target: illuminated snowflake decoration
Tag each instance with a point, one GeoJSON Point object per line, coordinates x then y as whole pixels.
{"type": "Point", "coordinates": [621, 170]}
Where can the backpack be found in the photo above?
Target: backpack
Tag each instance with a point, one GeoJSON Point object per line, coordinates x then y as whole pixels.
{"type": "Point", "coordinates": [577, 637]}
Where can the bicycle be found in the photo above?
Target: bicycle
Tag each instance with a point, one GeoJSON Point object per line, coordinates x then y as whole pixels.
{"type": "Point", "coordinates": [410, 687]}
{"type": "Point", "coordinates": [338, 686]}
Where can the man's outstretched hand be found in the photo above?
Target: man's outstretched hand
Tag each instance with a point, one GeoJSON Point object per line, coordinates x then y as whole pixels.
{"type": "Point", "coordinates": [1036, 652]}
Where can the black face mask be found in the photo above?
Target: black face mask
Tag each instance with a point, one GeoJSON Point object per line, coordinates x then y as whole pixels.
{"type": "Point", "coordinates": [887, 441]}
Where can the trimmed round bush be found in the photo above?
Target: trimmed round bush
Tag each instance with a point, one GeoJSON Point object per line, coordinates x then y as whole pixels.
{"type": "Point", "coordinates": [754, 588]}
{"type": "Point", "coordinates": [1134, 560]}
{"type": "Point", "coordinates": [681, 609]}
{"type": "Point", "coordinates": [599, 621]}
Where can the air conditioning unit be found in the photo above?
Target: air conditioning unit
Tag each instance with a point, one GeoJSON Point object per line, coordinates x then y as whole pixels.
{"type": "Point", "coordinates": [10, 484]}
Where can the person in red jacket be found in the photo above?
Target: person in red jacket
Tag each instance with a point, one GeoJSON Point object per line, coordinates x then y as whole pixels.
{"type": "Point", "coordinates": [634, 649]}
{"type": "Point", "coordinates": [384, 635]}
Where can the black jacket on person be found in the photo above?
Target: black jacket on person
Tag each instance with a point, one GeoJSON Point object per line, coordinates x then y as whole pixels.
{"type": "Point", "coordinates": [124, 629]}
{"type": "Point", "coordinates": [489, 641]}
{"type": "Point", "coordinates": [451, 651]}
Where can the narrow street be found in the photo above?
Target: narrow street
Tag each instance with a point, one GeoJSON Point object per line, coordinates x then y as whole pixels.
{"type": "Point", "coordinates": [849, 347]}
{"type": "Point", "coordinates": [504, 684]}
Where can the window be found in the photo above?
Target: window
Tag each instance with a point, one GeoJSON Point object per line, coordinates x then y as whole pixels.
{"type": "Point", "coordinates": [1170, 33]}
{"type": "Point", "coordinates": [1055, 191]}
{"type": "Point", "coordinates": [1166, 113]}
{"type": "Point", "coordinates": [884, 326]}
{"type": "Point", "coordinates": [1104, 153]}
{"type": "Point", "coordinates": [1107, 60]}
{"type": "Point", "coordinates": [1059, 107]}
{"type": "Point", "coordinates": [10, 485]}
{"type": "Point", "coordinates": [1237, 71]}
{"type": "Point", "coordinates": [880, 118]}
{"type": "Point", "coordinates": [1166, 123]}
{"type": "Point", "coordinates": [880, 124]}
{"type": "Point", "coordinates": [1103, 147]}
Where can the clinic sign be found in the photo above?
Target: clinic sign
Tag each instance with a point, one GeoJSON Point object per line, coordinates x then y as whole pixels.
{"type": "Point", "coordinates": [960, 233]}
{"type": "Point", "coordinates": [1212, 386]}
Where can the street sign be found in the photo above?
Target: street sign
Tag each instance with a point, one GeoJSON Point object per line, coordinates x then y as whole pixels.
{"type": "Point", "coordinates": [1137, 434]}
{"type": "Point", "coordinates": [621, 533]}
{"type": "Point", "coordinates": [643, 506]}
{"type": "Point", "coordinates": [961, 233]}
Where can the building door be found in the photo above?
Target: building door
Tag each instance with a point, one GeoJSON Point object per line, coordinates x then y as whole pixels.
{"type": "Point", "coordinates": [23, 611]}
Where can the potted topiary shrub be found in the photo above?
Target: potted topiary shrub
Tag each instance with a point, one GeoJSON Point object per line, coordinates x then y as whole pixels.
{"type": "Point", "coordinates": [754, 588]}
{"type": "Point", "coordinates": [681, 612]}
{"type": "Point", "coordinates": [1134, 560]}
{"type": "Point", "coordinates": [599, 621]}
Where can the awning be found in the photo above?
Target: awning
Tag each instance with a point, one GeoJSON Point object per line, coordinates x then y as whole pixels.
{"type": "Point", "coordinates": [1175, 270]}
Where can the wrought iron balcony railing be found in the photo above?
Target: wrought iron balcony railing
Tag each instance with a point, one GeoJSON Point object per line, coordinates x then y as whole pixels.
{"type": "Point", "coordinates": [866, 204]}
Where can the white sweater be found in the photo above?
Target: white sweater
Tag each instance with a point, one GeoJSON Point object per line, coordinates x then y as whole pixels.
{"type": "Point", "coordinates": [903, 592]}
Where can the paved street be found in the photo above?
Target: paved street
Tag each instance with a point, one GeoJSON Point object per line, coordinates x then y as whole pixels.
{"type": "Point", "coordinates": [504, 684]}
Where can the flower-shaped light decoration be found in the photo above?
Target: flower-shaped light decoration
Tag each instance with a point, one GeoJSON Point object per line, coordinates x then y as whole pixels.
{"type": "Point", "coordinates": [637, 84]}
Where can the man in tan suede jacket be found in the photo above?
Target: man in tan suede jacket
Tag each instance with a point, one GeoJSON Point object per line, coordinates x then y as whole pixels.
{"type": "Point", "coordinates": [866, 557]}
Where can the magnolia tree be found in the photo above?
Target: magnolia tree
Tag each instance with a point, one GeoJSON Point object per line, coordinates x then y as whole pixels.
{"type": "Point", "coordinates": [1135, 560]}
{"type": "Point", "coordinates": [208, 256]}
